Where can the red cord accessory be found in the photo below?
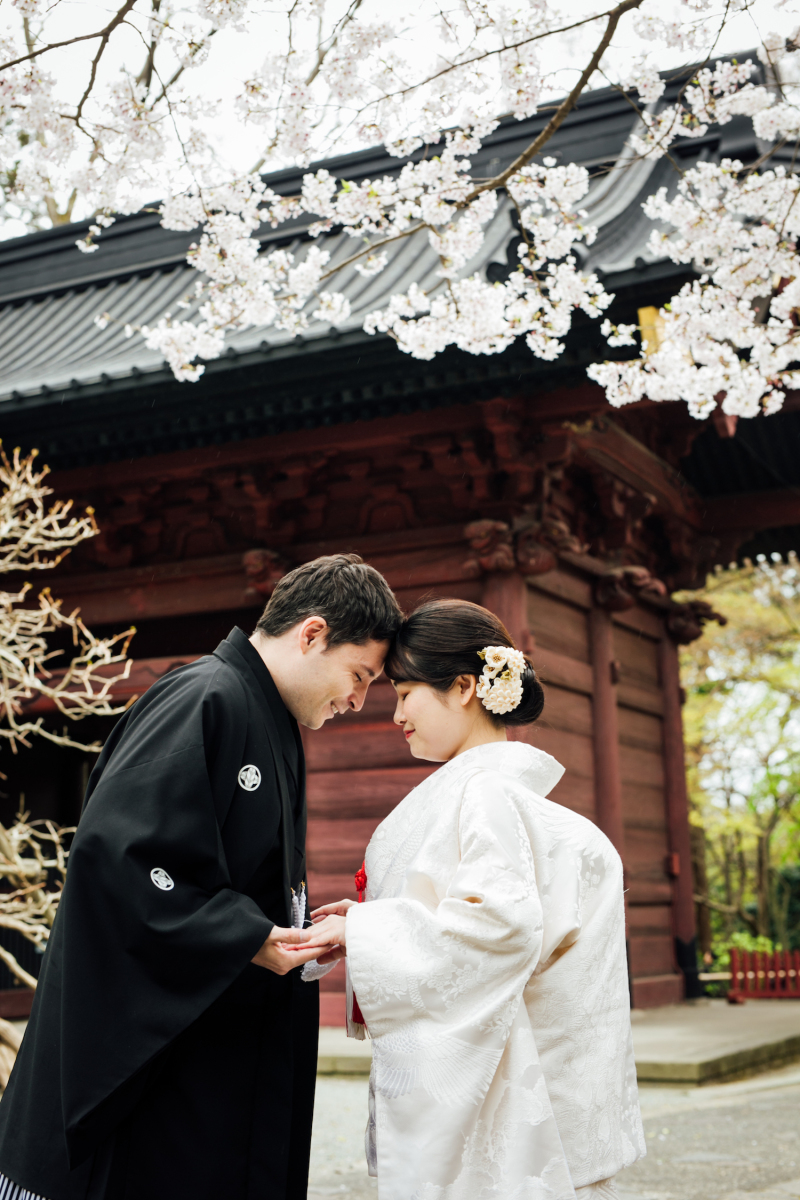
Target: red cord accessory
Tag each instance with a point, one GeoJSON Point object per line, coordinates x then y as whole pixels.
{"type": "Point", "coordinates": [361, 888]}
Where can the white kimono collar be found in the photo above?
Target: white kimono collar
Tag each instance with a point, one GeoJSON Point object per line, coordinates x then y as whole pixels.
{"type": "Point", "coordinates": [533, 767]}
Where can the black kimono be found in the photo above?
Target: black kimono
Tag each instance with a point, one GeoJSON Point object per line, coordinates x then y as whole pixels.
{"type": "Point", "coordinates": [158, 1059]}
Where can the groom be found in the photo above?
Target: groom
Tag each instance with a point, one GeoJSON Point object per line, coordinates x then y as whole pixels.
{"type": "Point", "coordinates": [172, 1046]}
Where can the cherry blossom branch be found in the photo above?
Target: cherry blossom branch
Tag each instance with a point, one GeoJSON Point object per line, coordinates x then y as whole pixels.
{"type": "Point", "coordinates": [495, 51]}
{"type": "Point", "coordinates": [106, 34]}
{"type": "Point", "coordinates": [566, 106]}
{"type": "Point", "coordinates": [81, 37]}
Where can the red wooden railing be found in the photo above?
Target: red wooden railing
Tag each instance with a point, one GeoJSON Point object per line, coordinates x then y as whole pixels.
{"type": "Point", "coordinates": [759, 976]}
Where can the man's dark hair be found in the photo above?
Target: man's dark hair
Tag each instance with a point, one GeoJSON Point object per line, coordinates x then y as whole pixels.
{"type": "Point", "coordinates": [354, 599]}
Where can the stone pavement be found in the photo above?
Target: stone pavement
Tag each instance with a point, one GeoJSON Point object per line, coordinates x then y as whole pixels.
{"type": "Point", "coordinates": [700, 1042]}
{"type": "Point", "coordinates": [730, 1141]}
{"type": "Point", "coordinates": [709, 1040]}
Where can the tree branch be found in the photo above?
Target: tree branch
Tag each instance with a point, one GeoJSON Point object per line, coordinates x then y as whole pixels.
{"type": "Point", "coordinates": [82, 37]}
{"type": "Point", "coordinates": [118, 18]}
{"type": "Point", "coordinates": [730, 909]}
{"type": "Point", "coordinates": [22, 975]}
{"type": "Point", "coordinates": [563, 109]}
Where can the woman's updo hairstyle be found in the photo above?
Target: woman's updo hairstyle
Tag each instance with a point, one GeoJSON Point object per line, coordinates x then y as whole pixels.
{"type": "Point", "coordinates": [440, 640]}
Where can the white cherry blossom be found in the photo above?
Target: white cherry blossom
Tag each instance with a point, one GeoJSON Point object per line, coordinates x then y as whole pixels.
{"type": "Point", "coordinates": [94, 142]}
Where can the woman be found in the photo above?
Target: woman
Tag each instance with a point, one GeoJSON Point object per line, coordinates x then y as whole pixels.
{"type": "Point", "coordinates": [489, 962]}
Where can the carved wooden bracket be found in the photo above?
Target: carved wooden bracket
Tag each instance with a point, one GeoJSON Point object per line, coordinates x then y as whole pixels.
{"type": "Point", "coordinates": [530, 547]}
{"type": "Point", "coordinates": [492, 547]}
{"type": "Point", "coordinates": [621, 587]}
{"type": "Point", "coordinates": [685, 621]}
{"type": "Point", "coordinates": [263, 569]}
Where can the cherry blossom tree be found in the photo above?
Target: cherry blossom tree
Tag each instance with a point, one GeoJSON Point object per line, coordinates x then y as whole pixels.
{"type": "Point", "coordinates": [36, 536]}
{"type": "Point", "coordinates": [98, 119]}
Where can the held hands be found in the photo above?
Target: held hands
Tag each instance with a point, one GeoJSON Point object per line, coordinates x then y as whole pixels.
{"type": "Point", "coordinates": [328, 930]}
{"type": "Point", "coordinates": [286, 949]}
{"type": "Point", "coordinates": [283, 951]}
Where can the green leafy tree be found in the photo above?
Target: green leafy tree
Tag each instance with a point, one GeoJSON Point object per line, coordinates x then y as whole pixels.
{"type": "Point", "coordinates": [742, 725]}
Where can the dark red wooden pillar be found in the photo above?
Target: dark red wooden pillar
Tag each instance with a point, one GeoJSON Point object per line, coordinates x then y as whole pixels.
{"type": "Point", "coordinates": [505, 593]}
{"type": "Point", "coordinates": [677, 805]}
{"type": "Point", "coordinates": [605, 730]}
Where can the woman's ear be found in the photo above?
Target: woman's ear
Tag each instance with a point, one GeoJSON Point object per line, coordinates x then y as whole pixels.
{"type": "Point", "coordinates": [465, 687]}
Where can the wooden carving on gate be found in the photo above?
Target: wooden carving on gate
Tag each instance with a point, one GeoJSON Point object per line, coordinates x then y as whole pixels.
{"type": "Point", "coordinates": [541, 534]}
{"type": "Point", "coordinates": [620, 587]}
{"type": "Point", "coordinates": [491, 545]}
{"type": "Point", "coordinates": [263, 569]}
{"type": "Point", "coordinates": [685, 621]}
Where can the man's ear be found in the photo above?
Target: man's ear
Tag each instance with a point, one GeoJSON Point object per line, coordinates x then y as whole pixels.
{"type": "Point", "coordinates": [313, 634]}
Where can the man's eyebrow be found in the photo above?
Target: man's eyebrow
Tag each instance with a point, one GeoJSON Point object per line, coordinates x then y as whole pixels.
{"type": "Point", "coordinates": [367, 670]}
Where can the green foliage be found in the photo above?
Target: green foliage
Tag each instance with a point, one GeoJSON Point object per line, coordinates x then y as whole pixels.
{"type": "Point", "coordinates": [741, 941]}
{"type": "Point", "coordinates": [742, 729]}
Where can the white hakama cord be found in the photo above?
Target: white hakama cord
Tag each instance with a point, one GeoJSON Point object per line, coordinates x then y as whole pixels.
{"type": "Point", "coordinates": [13, 1191]}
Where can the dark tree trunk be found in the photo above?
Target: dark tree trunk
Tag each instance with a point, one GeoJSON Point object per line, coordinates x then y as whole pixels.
{"type": "Point", "coordinates": [700, 874]}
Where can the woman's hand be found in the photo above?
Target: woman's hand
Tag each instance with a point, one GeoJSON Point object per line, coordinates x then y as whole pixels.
{"type": "Point", "coordinates": [330, 932]}
{"type": "Point", "coordinates": [339, 909]}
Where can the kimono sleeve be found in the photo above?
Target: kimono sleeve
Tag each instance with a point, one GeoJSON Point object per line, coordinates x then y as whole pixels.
{"type": "Point", "coordinates": [149, 932]}
{"type": "Point", "coordinates": [460, 959]}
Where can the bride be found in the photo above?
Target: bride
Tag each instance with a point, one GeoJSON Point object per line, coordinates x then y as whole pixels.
{"type": "Point", "coordinates": [488, 964]}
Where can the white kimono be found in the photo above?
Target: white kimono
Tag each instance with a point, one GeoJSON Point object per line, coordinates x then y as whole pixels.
{"type": "Point", "coordinates": [489, 965]}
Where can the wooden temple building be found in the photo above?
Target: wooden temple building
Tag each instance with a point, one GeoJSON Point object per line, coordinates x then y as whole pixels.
{"type": "Point", "coordinates": [501, 479]}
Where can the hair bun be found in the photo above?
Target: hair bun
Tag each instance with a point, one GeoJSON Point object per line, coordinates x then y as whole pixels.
{"type": "Point", "coordinates": [530, 706]}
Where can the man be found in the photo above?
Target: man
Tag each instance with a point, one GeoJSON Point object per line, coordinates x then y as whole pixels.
{"type": "Point", "coordinates": [172, 1046]}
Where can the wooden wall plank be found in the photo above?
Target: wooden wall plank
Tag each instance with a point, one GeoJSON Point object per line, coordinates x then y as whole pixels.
{"type": "Point", "coordinates": [651, 955]}
{"type": "Point", "coordinates": [643, 807]}
{"type": "Point", "coordinates": [641, 620]}
{"type": "Point", "coordinates": [645, 859]}
{"type": "Point", "coordinates": [575, 792]}
{"type": "Point", "coordinates": [337, 847]}
{"type": "Point", "coordinates": [652, 920]}
{"type": "Point", "coordinates": [464, 589]}
{"type": "Point", "coordinates": [644, 699]}
{"type": "Point", "coordinates": [647, 893]}
{"type": "Point", "coordinates": [558, 626]}
{"type": "Point", "coordinates": [572, 750]}
{"type": "Point", "coordinates": [370, 793]}
{"type": "Point", "coordinates": [642, 730]}
{"type": "Point", "coordinates": [326, 887]}
{"type": "Point", "coordinates": [657, 990]}
{"type": "Point", "coordinates": [566, 710]}
{"type": "Point", "coordinates": [564, 585]}
{"type": "Point", "coordinates": [638, 656]}
{"type": "Point", "coordinates": [560, 669]}
{"type": "Point", "coordinates": [641, 766]}
{"type": "Point", "coordinates": [370, 744]}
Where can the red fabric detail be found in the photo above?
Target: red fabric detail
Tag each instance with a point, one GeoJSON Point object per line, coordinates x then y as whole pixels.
{"type": "Point", "coordinates": [361, 887]}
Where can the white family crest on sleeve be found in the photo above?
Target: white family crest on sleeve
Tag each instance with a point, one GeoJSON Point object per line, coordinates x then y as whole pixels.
{"type": "Point", "coordinates": [249, 778]}
{"type": "Point", "coordinates": [162, 880]}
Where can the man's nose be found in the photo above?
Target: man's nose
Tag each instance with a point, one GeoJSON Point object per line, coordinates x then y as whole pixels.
{"type": "Point", "coordinates": [356, 699]}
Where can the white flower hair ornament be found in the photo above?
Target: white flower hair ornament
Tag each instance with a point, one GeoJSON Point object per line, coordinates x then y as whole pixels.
{"type": "Point", "coordinates": [500, 684]}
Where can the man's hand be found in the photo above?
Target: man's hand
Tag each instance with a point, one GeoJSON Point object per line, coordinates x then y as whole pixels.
{"type": "Point", "coordinates": [283, 951]}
